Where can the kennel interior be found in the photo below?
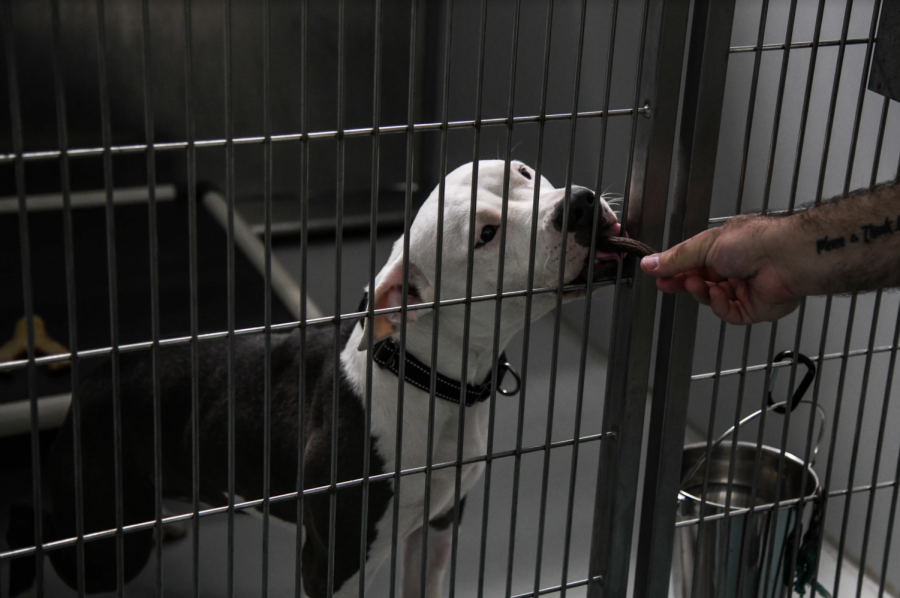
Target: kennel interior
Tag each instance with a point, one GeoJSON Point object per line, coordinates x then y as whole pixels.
{"type": "Point", "coordinates": [234, 167]}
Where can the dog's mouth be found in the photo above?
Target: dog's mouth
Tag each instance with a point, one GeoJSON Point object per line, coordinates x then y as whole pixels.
{"type": "Point", "coordinates": [604, 264]}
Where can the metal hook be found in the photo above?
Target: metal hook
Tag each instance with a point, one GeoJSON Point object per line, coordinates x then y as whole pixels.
{"type": "Point", "coordinates": [804, 384]}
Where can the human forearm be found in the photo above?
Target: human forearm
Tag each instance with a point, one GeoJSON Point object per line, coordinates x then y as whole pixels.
{"type": "Point", "coordinates": [757, 268]}
{"type": "Point", "coordinates": [850, 244]}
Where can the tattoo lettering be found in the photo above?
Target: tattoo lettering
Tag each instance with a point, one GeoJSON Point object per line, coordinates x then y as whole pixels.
{"type": "Point", "coordinates": [873, 231]}
{"type": "Point", "coordinates": [826, 244]}
{"type": "Point", "coordinates": [870, 232]}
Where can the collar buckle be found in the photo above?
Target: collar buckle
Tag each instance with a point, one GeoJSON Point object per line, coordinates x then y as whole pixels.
{"type": "Point", "coordinates": [387, 353]}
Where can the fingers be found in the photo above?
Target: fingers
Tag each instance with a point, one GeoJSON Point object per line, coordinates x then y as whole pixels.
{"type": "Point", "coordinates": [698, 288]}
{"type": "Point", "coordinates": [688, 255]}
{"type": "Point", "coordinates": [724, 304]}
{"type": "Point", "coordinates": [722, 296]}
{"type": "Point", "coordinates": [692, 281]}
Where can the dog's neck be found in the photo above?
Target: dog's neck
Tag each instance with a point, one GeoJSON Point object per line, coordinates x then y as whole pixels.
{"type": "Point", "coordinates": [418, 343]}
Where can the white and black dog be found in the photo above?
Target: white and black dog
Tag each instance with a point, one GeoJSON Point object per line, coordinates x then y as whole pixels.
{"type": "Point", "coordinates": [175, 385]}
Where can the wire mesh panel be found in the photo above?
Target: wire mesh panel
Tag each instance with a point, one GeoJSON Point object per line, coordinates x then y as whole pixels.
{"type": "Point", "coordinates": [454, 166]}
{"type": "Point", "coordinates": [798, 126]}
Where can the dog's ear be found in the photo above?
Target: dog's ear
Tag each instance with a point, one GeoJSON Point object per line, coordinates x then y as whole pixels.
{"type": "Point", "coordinates": [389, 293]}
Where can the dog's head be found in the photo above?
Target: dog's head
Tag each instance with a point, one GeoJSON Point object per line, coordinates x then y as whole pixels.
{"type": "Point", "coordinates": [483, 247]}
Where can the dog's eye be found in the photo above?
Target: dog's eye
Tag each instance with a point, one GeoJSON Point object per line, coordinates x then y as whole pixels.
{"type": "Point", "coordinates": [487, 233]}
{"type": "Point", "coordinates": [524, 172]}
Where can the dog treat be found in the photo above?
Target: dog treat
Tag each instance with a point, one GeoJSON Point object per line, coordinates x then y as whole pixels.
{"type": "Point", "coordinates": [624, 244]}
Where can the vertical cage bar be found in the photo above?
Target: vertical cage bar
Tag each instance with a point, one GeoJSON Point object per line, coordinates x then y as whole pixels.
{"type": "Point", "coordinates": [701, 115]}
{"type": "Point", "coordinates": [890, 376]}
{"type": "Point", "coordinates": [709, 445]}
{"type": "Point", "coordinates": [851, 160]}
{"type": "Point", "coordinates": [407, 221]}
{"type": "Point", "coordinates": [154, 290]}
{"type": "Point", "coordinates": [785, 427]}
{"type": "Point", "coordinates": [856, 438]}
{"type": "Point", "coordinates": [804, 114]}
{"type": "Point", "coordinates": [774, 328]}
{"type": "Point", "coordinates": [835, 88]}
{"type": "Point", "coordinates": [338, 253]}
{"type": "Point", "coordinates": [773, 146]}
{"type": "Point", "coordinates": [742, 382]}
{"type": "Point", "coordinates": [860, 98]}
{"type": "Point", "coordinates": [754, 89]}
{"type": "Point", "coordinates": [27, 298]}
{"type": "Point", "coordinates": [890, 525]}
{"type": "Point", "coordinates": [665, 29]}
{"type": "Point", "coordinates": [267, 295]}
{"type": "Point", "coordinates": [894, 495]}
{"type": "Point", "coordinates": [802, 310]}
{"type": "Point", "coordinates": [370, 307]}
{"type": "Point", "coordinates": [304, 222]}
{"type": "Point", "coordinates": [71, 290]}
{"type": "Point", "coordinates": [467, 314]}
{"type": "Point", "coordinates": [876, 308]}
{"type": "Point", "coordinates": [231, 287]}
{"type": "Point", "coordinates": [613, 385]}
{"type": "Point", "coordinates": [879, 445]}
{"type": "Point", "coordinates": [438, 260]}
{"type": "Point", "coordinates": [526, 333]}
{"type": "Point", "coordinates": [113, 286]}
{"type": "Point", "coordinates": [818, 200]}
{"type": "Point", "coordinates": [586, 317]}
{"type": "Point", "coordinates": [764, 412]}
{"type": "Point", "coordinates": [842, 377]}
{"type": "Point", "coordinates": [193, 273]}
{"type": "Point", "coordinates": [495, 349]}
{"type": "Point", "coordinates": [561, 271]}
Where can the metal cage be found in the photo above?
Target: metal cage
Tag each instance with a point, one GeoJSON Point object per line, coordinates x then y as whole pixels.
{"type": "Point", "coordinates": [306, 135]}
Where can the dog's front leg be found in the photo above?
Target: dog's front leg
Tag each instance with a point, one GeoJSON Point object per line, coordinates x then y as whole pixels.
{"type": "Point", "coordinates": [439, 541]}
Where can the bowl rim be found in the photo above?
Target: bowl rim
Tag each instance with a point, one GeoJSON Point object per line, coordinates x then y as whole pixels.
{"type": "Point", "coordinates": [684, 495]}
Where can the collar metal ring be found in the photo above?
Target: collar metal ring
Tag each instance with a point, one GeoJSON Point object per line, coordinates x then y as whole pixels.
{"type": "Point", "coordinates": [515, 374]}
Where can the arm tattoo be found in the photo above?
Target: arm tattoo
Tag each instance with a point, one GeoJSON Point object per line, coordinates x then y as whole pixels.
{"type": "Point", "coordinates": [868, 233]}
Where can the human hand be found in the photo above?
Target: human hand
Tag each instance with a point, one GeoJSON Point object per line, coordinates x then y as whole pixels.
{"type": "Point", "coordinates": [731, 269]}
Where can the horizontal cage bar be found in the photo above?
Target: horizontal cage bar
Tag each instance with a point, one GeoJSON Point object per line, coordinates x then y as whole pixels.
{"type": "Point", "coordinates": [249, 504]}
{"type": "Point", "coordinates": [789, 502]}
{"type": "Point", "coordinates": [782, 364]}
{"type": "Point", "coordinates": [182, 340]}
{"type": "Point", "coordinates": [795, 45]}
{"type": "Point", "coordinates": [362, 132]}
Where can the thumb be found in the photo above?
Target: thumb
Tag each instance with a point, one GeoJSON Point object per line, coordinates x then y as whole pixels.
{"type": "Point", "coordinates": [687, 255]}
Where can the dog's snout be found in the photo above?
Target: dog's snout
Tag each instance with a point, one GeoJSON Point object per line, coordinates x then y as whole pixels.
{"type": "Point", "coordinates": [581, 212]}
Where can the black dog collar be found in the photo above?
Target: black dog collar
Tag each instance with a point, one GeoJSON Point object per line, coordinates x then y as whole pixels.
{"type": "Point", "coordinates": [387, 355]}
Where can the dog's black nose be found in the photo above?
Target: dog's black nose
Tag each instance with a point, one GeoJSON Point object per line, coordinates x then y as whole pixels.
{"type": "Point", "coordinates": [581, 212]}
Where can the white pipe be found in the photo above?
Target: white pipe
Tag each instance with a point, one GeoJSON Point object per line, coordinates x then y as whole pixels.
{"type": "Point", "coordinates": [15, 417]}
{"type": "Point", "coordinates": [86, 199]}
{"type": "Point", "coordinates": [283, 284]}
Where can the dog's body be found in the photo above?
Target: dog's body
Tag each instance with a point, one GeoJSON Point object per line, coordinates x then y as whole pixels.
{"type": "Point", "coordinates": [175, 391]}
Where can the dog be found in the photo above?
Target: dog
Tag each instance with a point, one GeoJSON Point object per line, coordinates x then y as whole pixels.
{"type": "Point", "coordinates": [316, 376]}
